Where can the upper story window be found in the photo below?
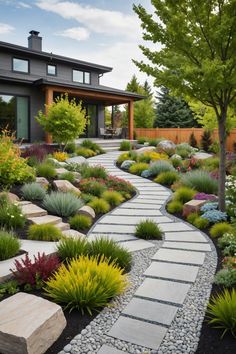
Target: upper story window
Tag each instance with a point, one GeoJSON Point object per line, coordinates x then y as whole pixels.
{"type": "Point", "coordinates": [51, 70]}
{"type": "Point", "coordinates": [21, 65]}
{"type": "Point", "coordinates": [82, 77]}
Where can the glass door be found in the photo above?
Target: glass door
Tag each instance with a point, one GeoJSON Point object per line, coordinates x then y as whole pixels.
{"type": "Point", "coordinates": [8, 112]}
{"type": "Point", "coordinates": [22, 116]}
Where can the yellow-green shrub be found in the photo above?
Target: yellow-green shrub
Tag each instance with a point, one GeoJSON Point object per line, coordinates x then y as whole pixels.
{"type": "Point", "coordinates": [138, 168]}
{"type": "Point", "coordinates": [175, 206]}
{"type": "Point", "coordinates": [221, 228]}
{"type": "Point", "coordinates": [86, 284]}
{"type": "Point", "coordinates": [113, 198]}
{"type": "Point", "coordinates": [60, 156]}
{"type": "Point", "coordinates": [81, 151]}
{"type": "Point", "coordinates": [100, 205]}
{"type": "Point", "coordinates": [184, 194]}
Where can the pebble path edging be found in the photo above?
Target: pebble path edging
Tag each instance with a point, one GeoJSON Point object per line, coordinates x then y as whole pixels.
{"type": "Point", "coordinates": [107, 333]}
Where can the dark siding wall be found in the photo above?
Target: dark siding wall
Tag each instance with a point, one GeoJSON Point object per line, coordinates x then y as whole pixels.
{"type": "Point", "coordinates": [101, 118]}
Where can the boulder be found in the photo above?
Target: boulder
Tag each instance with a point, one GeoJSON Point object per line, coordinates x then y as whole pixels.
{"type": "Point", "coordinates": [53, 161]}
{"type": "Point", "coordinates": [146, 174]}
{"type": "Point", "coordinates": [10, 196]}
{"type": "Point", "coordinates": [193, 206]}
{"type": "Point", "coordinates": [77, 159]}
{"type": "Point", "coordinates": [166, 145]}
{"type": "Point", "coordinates": [62, 164]}
{"type": "Point", "coordinates": [29, 324]}
{"type": "Point", "coordinates": [145, 149]}
{"type": "Point", "coordinates": [65, 186]}
{"type": "Point", "coordinates": [88, 211]}
{"type": "Point", "coordinates": [73, 234]}
{"type": "Point", "coordinates": [42, 181]}
{"type": "Point", "coordinates": [60, 170]}
{"type": "Point", "coordinates": [126, 164]}
{"type": "Point", "coordinates": [77, 175]}
{"type": "Point", "coordinates": [201, 156]}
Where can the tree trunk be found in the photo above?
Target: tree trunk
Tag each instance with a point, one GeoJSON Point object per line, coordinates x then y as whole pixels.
{"type": "Point", "coordinates": [222, 167]}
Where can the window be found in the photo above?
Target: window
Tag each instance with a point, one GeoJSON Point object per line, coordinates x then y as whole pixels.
{"type": "Point", "coordinates": [81, 77]}
{"type": "Point", "coordinates": [21, 65]}
{"type": "Point", "coordinates": [51, 69]}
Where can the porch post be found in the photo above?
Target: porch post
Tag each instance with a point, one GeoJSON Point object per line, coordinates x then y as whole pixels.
{"type": "Point", "coordinates": [131, 119]}
{"type": "Point", "coordinates": [48, 101]}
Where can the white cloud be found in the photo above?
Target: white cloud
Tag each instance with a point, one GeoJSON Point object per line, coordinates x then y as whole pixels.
{"type": "Point", "coordinates": [77, 33]}
{"type": "Point", "coordinates": [111, 23]}
{"type": "Point", "coordinates": [24, 5]}
{"type": "Point", "coordinates": [5, 28]}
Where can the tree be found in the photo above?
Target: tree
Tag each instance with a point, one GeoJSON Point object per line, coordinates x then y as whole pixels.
{"type": "Point", "coordinates": [133, 85]}
{"type": "Point", "coordinates": [173, 112]}
{"type": "Point", "coordinates": [65, 120]}
{"type": "Point", "coordinates": [196, 57]}
{"type": "Point", "coordinates": [147, 89]}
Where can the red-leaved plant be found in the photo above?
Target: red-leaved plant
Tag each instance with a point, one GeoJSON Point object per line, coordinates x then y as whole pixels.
{"type": "Point", "coordinates": [35, 272]}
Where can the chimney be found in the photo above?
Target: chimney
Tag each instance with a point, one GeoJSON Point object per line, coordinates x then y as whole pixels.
{"type": "Point", "coordinates": [34, 41]}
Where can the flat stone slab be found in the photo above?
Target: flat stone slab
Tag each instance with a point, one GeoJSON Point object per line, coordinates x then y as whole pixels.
{"type": "Point", "coordinates": [29, 324]}
{"type": "Point", "coordinates": [132, 220]}
{"type": "Point", "coordinates": [136, 212]}
{"type": "Point", "coordinates": [151, 199]}
{"type": "Point", "coordinates": [201, 156]}
{"type": "Point", "coordinates": [175, 226]}
{"type": "Point", "coordinates": [63, 226]}
{"type": "Point", "coordinates": [188, 246]}
{"type": "Point", "coordinates": [151, 311]}
{"type": "Point", "coordinates": [60, 171]}
{"type": "Point", "coordinates": [47, 219]}
{"type": "Point", "coordinates": [32, 210]}
{"type": "Point", "coordinates": [172, 271]}
{"type": "Point", "coordinates": [138, 332]}
{"type": "Point", "coordinates": [140, 205]}
{"type": "Point", "coordinates": [106, 349]}
{"type": "Point", "coordinates": [136, 245]}
{"type": "Point", "coordinates": [178, 256]}
{"type": "Point", "coordinates": [164, 290]}
{"type": "Point", "coordinates": [190, 236]}
{"type": "Point", "coordinates": [114, 237]}
{"type": "Point", "coordinates": [73, 234]}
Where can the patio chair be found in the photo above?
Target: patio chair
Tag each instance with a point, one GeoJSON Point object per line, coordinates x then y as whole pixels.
{"type": "Point", "coordinates": [104, 134]}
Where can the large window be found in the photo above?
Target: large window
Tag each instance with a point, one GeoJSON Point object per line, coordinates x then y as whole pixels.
{"type": "Point", "coordinates": [51, 70]}
{"type": "Point", "coordinates": [82, 77]}
{"type": "Point", "coordinates": [21, 65]}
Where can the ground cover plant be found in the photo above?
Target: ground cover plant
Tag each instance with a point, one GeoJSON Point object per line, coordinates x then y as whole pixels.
{"type": "Point", "coordinates": [33, 191]}
{"type": "Point", "coordinates": [9, 245]}
{"type": "Point", "coordinates": [44, 232]}
{"type": "Point", "coordinates": [148, 229]}
{"type": "Point", "coordinates": [62, 204]}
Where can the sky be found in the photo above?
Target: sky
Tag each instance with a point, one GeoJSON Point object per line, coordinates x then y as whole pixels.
{"type": "Point", "coordinates": [105, 32]}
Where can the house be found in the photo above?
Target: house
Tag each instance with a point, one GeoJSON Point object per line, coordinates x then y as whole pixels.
{"type": "Point", "coordinates": [31, 78]}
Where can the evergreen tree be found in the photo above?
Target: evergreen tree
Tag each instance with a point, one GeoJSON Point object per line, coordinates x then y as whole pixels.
{"type": "Point", "coordinates": [173, 112]}
{"type": "Point", "coordinates": [133, 85]}
{"type": "Point", "coordinates": [147, 89]}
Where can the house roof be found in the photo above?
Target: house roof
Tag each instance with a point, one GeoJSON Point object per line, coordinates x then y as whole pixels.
{"type": "Point", "coordinates": [20, 50]}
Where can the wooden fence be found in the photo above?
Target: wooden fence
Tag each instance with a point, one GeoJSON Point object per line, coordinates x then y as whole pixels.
{"type": "Point", "coordinates": [181, 135]}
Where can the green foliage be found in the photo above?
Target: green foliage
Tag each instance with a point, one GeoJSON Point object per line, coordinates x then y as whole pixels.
{"type": "Point", "coordinates": [192, 217]}
{"type": "Point", "coordinates": [227, 242]}
{"type": "Point", "coordinates": [175, 206]}
{"type": "Point", "coordinates": [148, 229]}
{"type": "Point", "coordinates": [167, 178]}
{"type": "Point", "coordinates": [142, 140]}
{"type": "Point", "coordinates": [44, 232]}
{"type": "Point", "coordinates": [80, 222]}
{"type": "Point", "coordinates": [68, 176]}
{"type": "Point", "coordinates": [11, 216]}
{"type": "Point", "coordinates": [96, 284]}
{"type": "Point", "coordinates": [62, 204]}
{"type": "Point", "coordinates": [193, 140]}
{"type": "Point", "coordinates": [131, 155]}
{"type": "Point", "coordinates": [201, 223]}
{"type": "Point", "coordinates": [226, 277]}
{"type": "Point", "coordinates": [219, 229]}
{"type": "Point", "coordinates": [9, 288]}
{"type": "Point", "coordinates": [87, 197]}
{"type": "Point", "coordinates": [9, 245]}
{"type": "Point", "coordinates": [92, 186]}
{"type": "Point", "coordinates": [33, 191]}
{"type": "Point", "coordinates": [160, 166]}
{"type": "Point", "coordinates": [45, 169]}
{"type": "Point", "coordinates": [206, 140]}
{"type": "Point", "coordinates": [125, 145]}
{"type": "Point", "coordinates": [176, 162]}
{"type": "Point", "coordinates": [211, 164]}
{"type": "Point", "coordinates": [201, 181]}
{"type": "Point", "coordinates": [184, 194]}
{"type": "Point", "coordinates": [89, 144]}
{"type": "Point", "coordinates": [138, 167]}
{"type": "Point", "coordinates": [70, 248]}
{"type": "Point", "coordinates": [222, 311]}
{"type": "Point", "coordinates": [113, 198]}
{"type": "Point", "coordinates": [85, 152]}
{"type": "Point", "coordinates": [94, 171]}
{"type": "Point", "coordinates": [100, 206]}
{"type": "Point", "coordinates": [70, 148]}
{"type": "Point", "coordinates": [65, 119]}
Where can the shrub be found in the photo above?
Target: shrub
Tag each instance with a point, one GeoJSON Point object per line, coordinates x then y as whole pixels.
{"type": "Point", "coordinates": [113, 198]}
{"type": "Point", "coordinates": [153, 142]}
{"type": "Point", "coordinates": [89, 144]}
{"type": "Point", "coordinates": [222, 311]}
{"type": "Point", "coordinates": [45, 169]}
{"type": "Point", "coordinates": [13, 168]}
{"type": "Point", "coordinates": [167, 178]}
{"type": "Point", "coordinates": [218, 230]}
{"type": "Point", "coordinates": [177, 163]}
{"type": "Point", "coordinates": [160, 166]}
{"type": "Point", "coordinates": [70, 147]}
{"type": "Point", "coordinates": [9, 245]}
{"type": "Point", "coordinates": [205, 196]}
{"type": "Point", "coordinates": [37, 152]}
{"type": "Point", "coordinates": [142, 140]}
{"type": "Point", "coordinates": [76, 167]}
{"type": "Point", "coordinates": [175, 206]}
{"type": "Point", "coordinates": [37, 271]}
{"type": "Point", "coordinates": [151, 156]}
{"type": "Point", "coordinates": [148, 229]}
{"type": "Point", "coordinates": [183, 152]}
{"type": "Point", "coordinates": [206, 140]}
{"type": "Point", "coordinates": [11, 287]}
{"type": "Point", "coordinates": [100, 206]}
{"type": "Point", "coordinates": [230, 250]}
{"type": "Point", "coordinates": [192, 217]}
{"type": "Point", "coordinates": [44, 232]}
{"type": "Point", "coordinates": [209, 206]}
{"type": "Point", "coordinates": [80, 222]}
{"type": "Point", "coordinates": [81, 151]}
{"type": "Point", "coordinates": [60, 156]}
{"type": "Point", "coordinates": [11, 216]}
{"type": "Point", "coordinates": [227, 239]}
{"type": "Point", "coordinates": [214, 216]}
{"type": "Point", "coordinates": [211, 164]}
{"type": "Point", "coordinates": [201, 223]}
{"type": "Point", "coordinates": [62, 204]}
{"type": "Point", "coordinates": [125, 145]}
{"type": "Point", "coordinates": [184, 194]}
{"type": "Point", "coordinates": [94, 171]}
{"type": "Point", "coordinates": [138, 168]}
{"type": "Point", "coordinates": [231, 195]}
{"type": "Point", "coordinates": [87, 197]}
{"type": "Point", "coordinates": [201, 181]}
{"type": "Point", "coordinates": [131, 155]}
{"type": "Point", "coordinates": [96, 283]}
{"type": "Point", "coordinates": [70, 248]}
{"type": "Point", "coordinates": [192, 140]}
{"type": "Point", "coordinates": [226, 278]}
{"type": "Point", "coordinates": [112, 251]}
{"type": "Point", "coordinates": [33, 191]}
{"type": "Point", "coordinates": [92, 186]}
{"type": "Point", "coordinates": [68, 176]}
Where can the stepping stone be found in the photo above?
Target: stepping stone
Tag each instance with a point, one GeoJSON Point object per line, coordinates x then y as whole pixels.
{"type": "Point", "coordinates": [151, 311]}
{"type": "Point", "coordinates": [136, 212]}
{"type": "Point", "coordinates": [29, 324]}
{"type": "Point", "coordinates": [151, 199]}
{"type": "Point", "coordinates": [177, 256]}
{"type": "Point", "coordinates": [47, 219]}
{"type": "Point", "coordinates": [132, 220]}
{"type": "Point", "coordinates": [153, 193]}
{"type": "Point", "coordinates": [138, 332]}
{"type": "Point", "coordinates": [172, 271]}
{"type": "Point", "coordinates": [23, 202]}
{"type": "Point", "coordinates": [114, 237]}
{"type": "Point", "coordinates": [73, 234]}
{"type": "Point", "coordinates": [121, 229]}
{"type": "Point", "coordinates": [136, 245]}
{"type": "Point", "coordinates": [190, 236]}
{"type": "Point", "coordinates": [63, 226]}
{"type": "Point", "coordinates": [32, 211]}
{"type": "Point", "coordinates": [188, 246]}
{"type": "Point", "coordinates": [139, 205]}
{"type": "Point", "coordinates": [175, 226]}
{"type": "Point", "coordinates": [106, 349]}
{"type": "Point", "coordinates": [164, 290]}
